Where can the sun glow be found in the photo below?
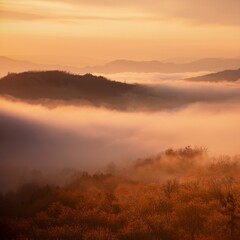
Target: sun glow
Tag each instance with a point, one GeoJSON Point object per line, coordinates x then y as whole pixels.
{"type": "Point", "coordinates": [102, 32]}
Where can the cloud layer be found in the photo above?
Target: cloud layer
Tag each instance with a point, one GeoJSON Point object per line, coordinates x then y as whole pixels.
{"type": "Point", "coordinates": [198, 11]}
{"type": "Point", "coordinates": [223, 12]}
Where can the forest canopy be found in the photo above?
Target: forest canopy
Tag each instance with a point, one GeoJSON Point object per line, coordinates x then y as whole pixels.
{"type": "Point", "coordinates": [179, 194]}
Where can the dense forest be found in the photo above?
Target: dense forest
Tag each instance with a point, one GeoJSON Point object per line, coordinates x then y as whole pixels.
{"type": "Point", "coordinates": [179, 194]}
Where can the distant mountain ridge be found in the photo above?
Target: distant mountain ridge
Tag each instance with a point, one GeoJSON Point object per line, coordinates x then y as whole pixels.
{"type": "Point", "coordinates": [118, 66]}
{"type": "Point", "coordinates": [226, 75]}
{"type": "Point", "coordinates": [8, 65]}
{"type": "Point", "coordinates": [208, 64]}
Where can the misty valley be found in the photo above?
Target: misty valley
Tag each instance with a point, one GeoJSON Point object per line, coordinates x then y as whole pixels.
{"type": "Point", "coordinates": [91, 157]}
{"type": "Point", "coordinates": [119, 120]}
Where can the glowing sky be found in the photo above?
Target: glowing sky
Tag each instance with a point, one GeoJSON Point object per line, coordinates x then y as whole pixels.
{"type": "Point", "coordinates": [78, 32]}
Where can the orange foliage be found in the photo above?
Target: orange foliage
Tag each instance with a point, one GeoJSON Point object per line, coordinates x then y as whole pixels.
{"type": "Point", "coordinates": [108, 207]}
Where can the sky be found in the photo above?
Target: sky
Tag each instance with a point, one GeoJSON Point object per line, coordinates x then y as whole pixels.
{"type": "Point", "coordinates": [89, 32]}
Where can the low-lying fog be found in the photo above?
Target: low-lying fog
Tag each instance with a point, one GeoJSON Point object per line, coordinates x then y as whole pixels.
{"type": "Point", "coordinates": [151, 78]}
{"type": "Point", "coordinates": [88, 138]}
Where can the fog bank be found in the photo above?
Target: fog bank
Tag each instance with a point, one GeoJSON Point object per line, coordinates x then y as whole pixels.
{"type": "Point", "coordinates": [35, 137]}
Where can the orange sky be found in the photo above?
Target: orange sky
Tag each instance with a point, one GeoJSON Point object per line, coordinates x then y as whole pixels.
{"type": "Point", "coordinates": [79, 32]}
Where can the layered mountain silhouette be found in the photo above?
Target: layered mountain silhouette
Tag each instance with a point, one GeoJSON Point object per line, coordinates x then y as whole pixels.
{"type": "Point", "coordinates": [118, 66]}
{"type": "Point", "coordinates": [208, 64]}
{"type": "Point", "coordinates": [11, 65]}
{"type": "Point", "coordinates": [61, 88]}
{"type": "Point", "coordinates": [227, 75]}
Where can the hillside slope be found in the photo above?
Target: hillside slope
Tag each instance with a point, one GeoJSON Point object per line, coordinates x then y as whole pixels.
{"type": "Point", "coordinates": [227, 75]}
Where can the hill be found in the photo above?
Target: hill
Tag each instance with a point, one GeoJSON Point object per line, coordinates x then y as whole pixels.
{"type": "Point", "coordinates": [227, 75]}
{"type": "Point", "coordinates": [62, 86]}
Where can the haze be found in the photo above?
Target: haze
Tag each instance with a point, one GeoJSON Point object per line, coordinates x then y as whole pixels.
{"type": "Point", "coordinates": [92, 32]}
{"type": "Point", "coordinates": [34, 137]}
{"type": "Point", "coordinates": [120, 119]}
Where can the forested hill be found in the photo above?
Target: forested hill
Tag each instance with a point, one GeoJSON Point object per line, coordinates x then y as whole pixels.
{"type": "Point", "coordinates": [60, 85]}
